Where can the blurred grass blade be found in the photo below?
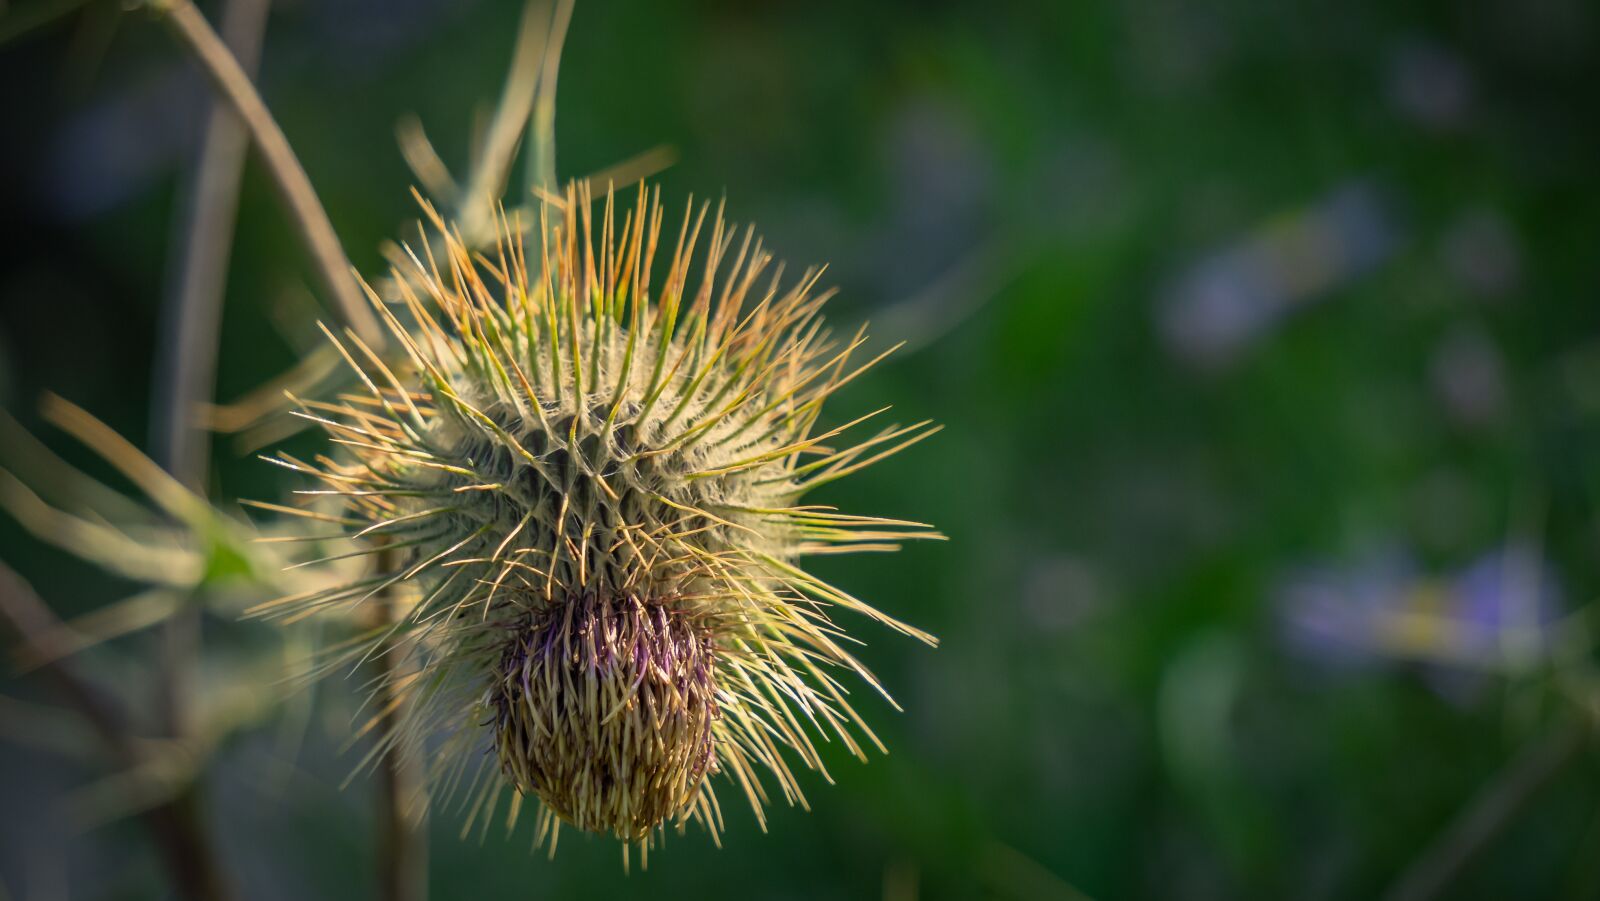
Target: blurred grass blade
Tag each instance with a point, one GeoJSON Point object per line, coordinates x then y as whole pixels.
{"type": "Point", "coordinates": [143, 560]}
{"type": "Point", "coordinates": [35, 464]}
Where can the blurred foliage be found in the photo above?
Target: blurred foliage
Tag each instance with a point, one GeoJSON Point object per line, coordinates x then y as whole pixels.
{"type": "Point", "coordinates": [1258, 330]}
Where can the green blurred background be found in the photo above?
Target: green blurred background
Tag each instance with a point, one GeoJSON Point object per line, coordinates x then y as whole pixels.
{"type": "Point", "coordinates": [1267, 343]}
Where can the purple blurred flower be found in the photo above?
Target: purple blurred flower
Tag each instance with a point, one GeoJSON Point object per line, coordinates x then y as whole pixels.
{"type": "Point", "coordinates": [1495, 615]}
{"type": "Point", "coordinates": [1234, 296]}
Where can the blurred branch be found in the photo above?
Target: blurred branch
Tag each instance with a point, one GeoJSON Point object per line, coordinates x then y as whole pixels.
{"type": "Point", "coordinates": [46, 641]}
{"type": "Point", "coordinates": [187, 351]}
{"type": "Point", "coordinates": [189, 337]}
{"type": "Point", "coordinates": [487, 179]}
{"type": "Point", "coordinates": [270, 399]}
{"type": "Point", "coordinates": [632, 170]}
{"type": "Point", "coordinates": [187, 851]}
{"type": "Point", "coordinates": [35, 464]}
{"type": "Point", "coordinates": [402, 837]}
{"type": "Point", "coordinates": [1497, 805]}
{"type": "Point", "coordinates": [526, 106]}
{"type": "Point", "coordinates": [123, 617]}
{"type": "Point", "coordinates": [424, 161]}
{"type": "Point", "coordinates": [192, 30]}
{"type": "Point", "coordinates": [149, 558]}
{"type": "Point", "coordinates": [191, 319]}
{"type": "Point", "coordinates": [174, 499]}
{"type": "Point", "coordinates": [542, 161]}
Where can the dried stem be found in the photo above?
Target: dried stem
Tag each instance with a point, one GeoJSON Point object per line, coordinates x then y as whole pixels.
{"type": "Point", "coordinates": [402, 837]}
{"type": "Point", "coordinates": [192, 30]}
{"type": "Point", "coordinates": [191, 317]}
{"type": "Point", "coordinates": [192, 311]}
{"type": "Point", "coordinates": [487, 179]}
{"type": "Point", "coordinates": [187, 355]}
{"type": "Point", "coordinates": [187, 851]}
{"type": "Point", "coordinates": [402, 832]}
{"type": "Point", "coordinates": [542, 161]}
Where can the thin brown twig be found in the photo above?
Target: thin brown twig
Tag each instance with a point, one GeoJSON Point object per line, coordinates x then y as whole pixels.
{"type": "Point", "coordinates": [186, 850]}
{"type": "Point", "coordinates": [322, 243]}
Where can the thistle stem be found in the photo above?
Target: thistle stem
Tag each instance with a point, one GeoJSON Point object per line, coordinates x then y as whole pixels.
{"type": "Point", "coordinates": [402, 834]}
{"type": "Point", "coordinates": [316, 231]}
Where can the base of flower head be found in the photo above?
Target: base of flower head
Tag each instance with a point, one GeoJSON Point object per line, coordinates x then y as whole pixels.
{"type": "Point", "coordinates": [603, 708]}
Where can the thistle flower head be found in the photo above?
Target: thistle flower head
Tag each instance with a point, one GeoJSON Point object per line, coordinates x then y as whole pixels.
{"type": "Point", "coordinates": [589, 490]}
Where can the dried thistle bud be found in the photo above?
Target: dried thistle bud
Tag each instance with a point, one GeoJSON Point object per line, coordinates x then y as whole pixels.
{"type": "Point", "coordinates": [605, 708]}
{"type": "Point", "coordinates": [590, 493]}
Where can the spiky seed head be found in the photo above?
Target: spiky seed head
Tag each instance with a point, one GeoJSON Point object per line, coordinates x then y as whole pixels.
{"type": "Point", "coordinates": [588, 490]}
